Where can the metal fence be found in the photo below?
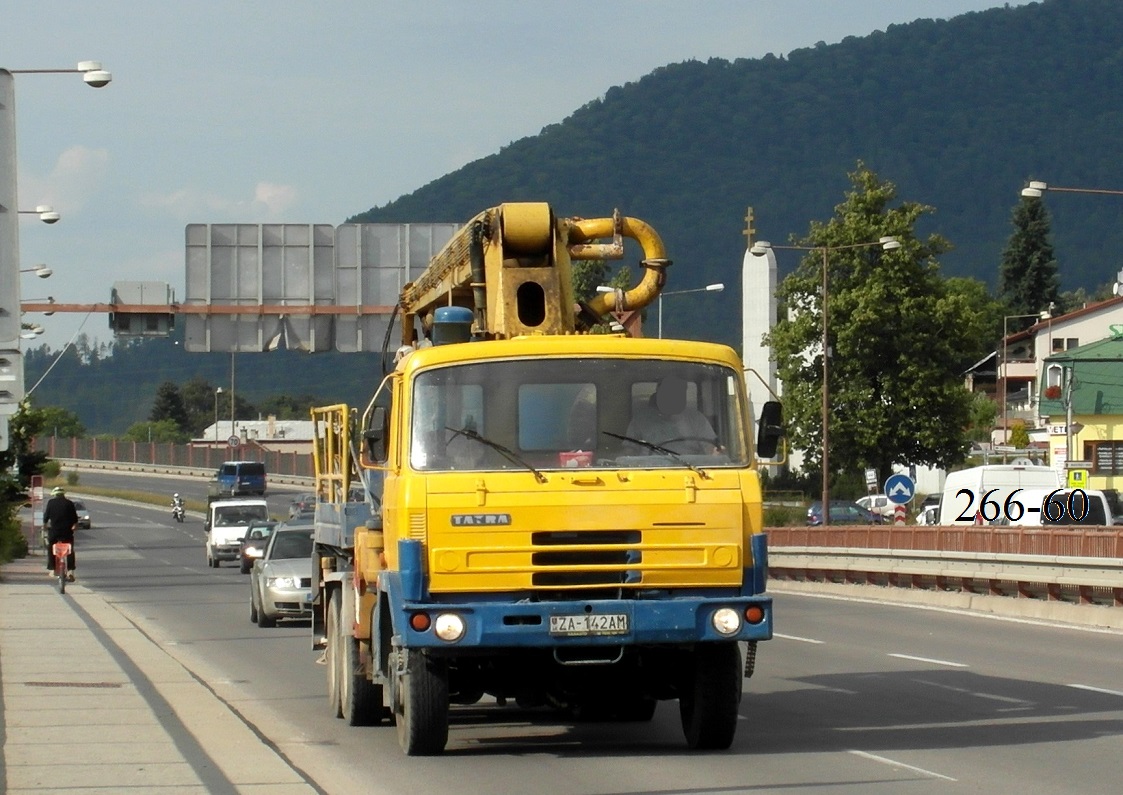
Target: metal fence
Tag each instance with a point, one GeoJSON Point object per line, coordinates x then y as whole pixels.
{"type": "Point", "coordinates": [164, 454]}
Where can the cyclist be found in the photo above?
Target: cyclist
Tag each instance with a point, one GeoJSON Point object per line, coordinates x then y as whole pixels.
{"type": "Point", "coordinates": [60, 518]}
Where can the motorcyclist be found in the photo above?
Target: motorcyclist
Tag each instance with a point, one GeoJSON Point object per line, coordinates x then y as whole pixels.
{"type": "Point", "coordinates": [177, 505]}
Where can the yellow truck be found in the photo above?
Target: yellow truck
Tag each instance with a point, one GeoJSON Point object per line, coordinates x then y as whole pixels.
{"type": "Point", "coordinates": [553, 518]}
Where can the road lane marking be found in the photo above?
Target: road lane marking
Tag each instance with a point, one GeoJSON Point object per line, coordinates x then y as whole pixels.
{"type": "Point", "coordinates": [1103, 690]}
{"type": "Point", "coordinates": [794, 637]}
{"type": "Point", "coordinates": [975, 693]}
{"type": "Point", "coordinates": [948, 663]}
{"type": "Point", "coordinates": [894, 763]}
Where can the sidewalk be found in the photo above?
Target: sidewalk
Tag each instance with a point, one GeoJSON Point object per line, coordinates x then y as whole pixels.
{"type": "Point", "coordinates": [89, 703]}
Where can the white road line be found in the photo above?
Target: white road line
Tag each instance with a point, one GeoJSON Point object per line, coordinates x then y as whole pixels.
{"type": "Point", "coordinates": [1103, 690]}
{"type": "Point", "coordinates": [948, 663]}
{"type": "Point", "coordinates": [894, 763]}
{"type": "Point", "coordinates": [794, 637]}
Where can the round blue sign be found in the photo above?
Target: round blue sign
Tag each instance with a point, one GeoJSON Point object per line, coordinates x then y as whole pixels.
{"type": "Point", "coordinates": [900, 489]}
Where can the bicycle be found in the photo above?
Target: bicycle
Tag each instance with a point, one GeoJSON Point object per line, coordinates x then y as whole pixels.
{"type": "Point", "coordinates": [61, 550]}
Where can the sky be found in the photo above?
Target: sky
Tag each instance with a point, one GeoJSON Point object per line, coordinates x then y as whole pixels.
{"type": "Point", "coordinates": [305, 112]}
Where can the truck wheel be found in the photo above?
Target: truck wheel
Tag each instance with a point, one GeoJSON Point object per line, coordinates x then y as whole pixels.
{"type": "Point", "coordinates": [361, 699]}
{"type": "Point", "coordinates": [711, 692]}
{"type": "Point", "coordinates": [422, 709]}
{"type": "Point", "coordinates": [331, 658]}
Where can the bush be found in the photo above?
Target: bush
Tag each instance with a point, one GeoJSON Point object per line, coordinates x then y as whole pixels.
{"type": "Point", "coordinates": [72, 478]}
{"type": "Point", "coordinates": [13, 543]}
{"type": "Point", "coordinates": [51, 469]}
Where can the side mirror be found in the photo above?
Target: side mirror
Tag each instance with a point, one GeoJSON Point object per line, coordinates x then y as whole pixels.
{"type": "Point", "coordinates": [770, 430]}
{"type": "Point", "coordinates": [377, 434]}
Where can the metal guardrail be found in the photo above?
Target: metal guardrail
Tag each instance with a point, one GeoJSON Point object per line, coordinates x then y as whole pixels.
{"type": "Point", "coordinates": [1080, 564]}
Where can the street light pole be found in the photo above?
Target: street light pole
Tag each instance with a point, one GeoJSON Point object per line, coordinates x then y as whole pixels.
{"type": "Point", "coordinates": [760, 249]}
{"type": "Point", "coordinates": [709, 288]}
{"type": "Point", "coordinates": [217, 392]}
{"type": "Point", "coordinates": [10, 323]}
{"type": "Point", "coordinates": [1003, 375]}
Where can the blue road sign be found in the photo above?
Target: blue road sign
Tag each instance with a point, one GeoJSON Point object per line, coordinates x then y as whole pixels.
{"type": "Point", "coordinates": [900, 489]}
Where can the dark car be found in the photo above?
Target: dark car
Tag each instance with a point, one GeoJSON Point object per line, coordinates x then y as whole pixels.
{"type": "Point", "coordinates": [302, 503]}
{"type": "Point", "coordinates": [83, 514]}
{"type": "Point", "coordinates": [842, 512]}
{"type": "Point", "coordinates": [235, 478]}
{"type": "Point", "coordinates": [253, 543]}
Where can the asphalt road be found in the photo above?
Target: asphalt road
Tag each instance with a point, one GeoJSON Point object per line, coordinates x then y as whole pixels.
{"type": "Point", "coordinates": [850, 697]}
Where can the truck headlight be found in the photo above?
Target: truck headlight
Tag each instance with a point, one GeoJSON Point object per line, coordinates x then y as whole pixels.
{"type": "Point", "coordinates": [726, 621]}
{"type": "Point", "coordinates": [449, 627]}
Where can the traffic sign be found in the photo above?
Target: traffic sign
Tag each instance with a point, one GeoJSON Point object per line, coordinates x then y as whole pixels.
{"type": "Point", "coordinates": [234, 441]}
{"type": "Point", "coordinates": [900, 489]}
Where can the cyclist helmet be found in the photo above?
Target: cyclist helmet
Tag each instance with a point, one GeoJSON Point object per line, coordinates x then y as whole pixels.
{"type": "Point", "coordinates": [57, 490]}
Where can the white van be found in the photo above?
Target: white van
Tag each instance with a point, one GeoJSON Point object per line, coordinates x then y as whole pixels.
{"type": "Point", "coordinates": [965, 490]}
{"type": "Point", "coordinates": [1087, 507]}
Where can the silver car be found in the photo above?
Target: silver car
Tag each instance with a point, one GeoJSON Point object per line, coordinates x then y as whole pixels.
{"type": "Point", "coordinates": [281, 580]}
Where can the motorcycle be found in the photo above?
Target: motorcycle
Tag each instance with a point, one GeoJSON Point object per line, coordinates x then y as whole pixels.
{"type": "Point", "coordinates": [177, 510]}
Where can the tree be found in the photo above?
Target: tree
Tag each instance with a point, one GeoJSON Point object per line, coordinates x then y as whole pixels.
{"type": "Point", "coordinates": [168, 405]}
{"type": "Point", "coordinates": [1028, 281]}
{"type": "Point", "coordinates": [163, 431]}
{"type": "Point", "coordinates": [897, 334]}
{"type": "Point", "coordinates": [61, 422]}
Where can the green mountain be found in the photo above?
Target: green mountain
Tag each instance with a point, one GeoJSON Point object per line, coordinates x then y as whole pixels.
{"type": "Point", "coordinates": [959, 114]}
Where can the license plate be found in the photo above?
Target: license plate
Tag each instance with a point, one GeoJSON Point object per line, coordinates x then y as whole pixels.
{"type": "Point", "coordinates": [589, 624]}
{"type": "Point", "coordinates": [308, 598]}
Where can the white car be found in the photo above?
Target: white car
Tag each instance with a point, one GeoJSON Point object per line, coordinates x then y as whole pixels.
{"type": "Point", "coordinates": [879, 504]}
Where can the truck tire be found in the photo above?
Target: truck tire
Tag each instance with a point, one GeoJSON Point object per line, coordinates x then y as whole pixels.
{"type": "Point", "coordinates": [422, 709]}
{"type": "Point", "coordinates": [331, 657]}
{"type": "Point", "coordinates": [711, 692]}
{"type": "Point", "coordinates": [361, 699]}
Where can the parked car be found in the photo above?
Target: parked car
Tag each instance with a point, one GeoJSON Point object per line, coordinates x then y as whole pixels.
{"type": "Point", "coordinates": [879, 504]}
{"type": "Point", "coordinates": [842, 512]}
{"type": "Point", "coordinates": [253, 543]}
{"type": "Point", "coordinates": [83, 514]}
{"type": "Point", "coordinates": [281, 580]}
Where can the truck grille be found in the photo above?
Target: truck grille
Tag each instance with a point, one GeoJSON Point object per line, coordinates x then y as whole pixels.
{"type": "Point", "coordinates": [570, 558]}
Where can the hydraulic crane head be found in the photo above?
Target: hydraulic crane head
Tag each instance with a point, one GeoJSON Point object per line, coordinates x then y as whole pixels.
{"type": "Point", "coordinates": [512, 267]}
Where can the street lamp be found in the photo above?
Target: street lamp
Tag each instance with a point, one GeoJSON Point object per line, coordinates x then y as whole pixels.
{"type": "Point", "coordinates": [1035, 190]}
{"type": "Point", "coordinates": [759, 249]}
{"type": "Point", "coordinates": [217, 392]}
{"type": "Point", "coordinates": [47, 214]}
{"type": "Point", "coordinates": [1044, 315]}
{"type": "Point", "coordinates": [709, 288]}
{"type": "Point", "coordinates": [40, 270]}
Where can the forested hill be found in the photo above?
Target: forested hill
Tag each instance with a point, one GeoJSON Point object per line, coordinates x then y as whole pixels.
{"type": "Point", "coordinates": [957, 113]}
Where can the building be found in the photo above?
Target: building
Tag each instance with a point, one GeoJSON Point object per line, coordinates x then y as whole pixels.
{"type": "Point", "coordinates": [1082, 407]}
{"type": "Point", "coordinates": [1012, 375]}
{"type": "Point", "coordinates": [286, 436]}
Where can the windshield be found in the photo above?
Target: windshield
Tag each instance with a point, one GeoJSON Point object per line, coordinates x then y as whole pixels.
{"type": "Point", "coordinates": [288, 545]}
{"type": "Point", "coordinates": [242, 514]}
{"type": "Point", "coordinates": [541, 414]}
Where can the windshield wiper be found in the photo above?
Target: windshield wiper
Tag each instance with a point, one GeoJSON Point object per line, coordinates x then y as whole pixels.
{"type": "Point", "coordinates": [659, 449]}
{"type": "Point", "coordinates": [510, 455]}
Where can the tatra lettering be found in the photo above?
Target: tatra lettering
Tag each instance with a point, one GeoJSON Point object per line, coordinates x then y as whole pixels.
{"type": "Point", "coordinates": [480, 519]}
